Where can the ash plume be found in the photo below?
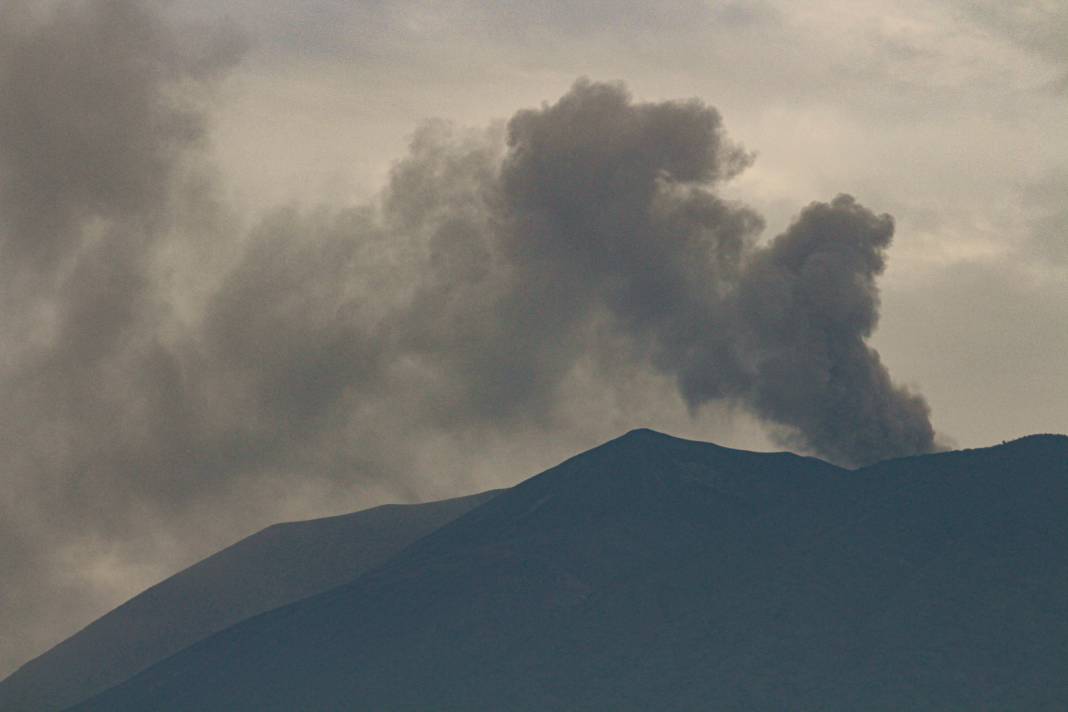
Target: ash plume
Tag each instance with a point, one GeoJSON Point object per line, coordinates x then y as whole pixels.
{"type": "Point", "coordinates": [170, 377]}
{"type": "Point", "coordinates": [611, 206]}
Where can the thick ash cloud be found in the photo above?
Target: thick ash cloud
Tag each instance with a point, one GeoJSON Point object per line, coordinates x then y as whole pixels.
{"type": "Point", "coordinates": [100, 145]}
{"type": "Point", "coordinates": [609, 207]}
{"type": "Point", "coordinates": [170, 377]}
{"type": "Point", "coordinates": [808, 303]}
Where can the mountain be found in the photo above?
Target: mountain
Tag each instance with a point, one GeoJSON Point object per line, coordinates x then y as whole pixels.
{"type": "Point", "coordinates": [279, 565]}
{"type": "Point", "coordinates": [508, 606]}
{"type": "Point", "coordinates": [656, 573]}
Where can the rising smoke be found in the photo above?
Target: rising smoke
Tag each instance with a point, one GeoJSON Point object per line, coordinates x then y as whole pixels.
{"type": "Point", "coordinates": [161, 364]}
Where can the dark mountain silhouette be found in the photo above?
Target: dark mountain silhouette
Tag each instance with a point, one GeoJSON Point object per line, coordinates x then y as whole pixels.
{"type": "Point", "coordinates": [656, 573]}
{"type": "Point", "coordinates": [279, 565]}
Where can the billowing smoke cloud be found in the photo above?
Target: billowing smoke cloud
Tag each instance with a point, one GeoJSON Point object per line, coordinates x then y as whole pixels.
{"type": "Point", "coordinates": [808, 303]}
{"type": "Point", "coordinates": [102, 197]}
{"type": "Point", "coordinates": [166, 371]}
{"type": "Point", "coordinates": [610, 206]}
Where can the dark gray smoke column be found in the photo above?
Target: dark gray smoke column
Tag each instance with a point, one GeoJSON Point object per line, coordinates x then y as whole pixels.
{"type": "Point", "coordinates": [610, 207]}
{"type": "Point", "coordinates": [809, 301]}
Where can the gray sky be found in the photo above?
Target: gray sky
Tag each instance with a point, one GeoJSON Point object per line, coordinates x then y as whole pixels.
{"type": "Point", "coordinates": [245, 280]}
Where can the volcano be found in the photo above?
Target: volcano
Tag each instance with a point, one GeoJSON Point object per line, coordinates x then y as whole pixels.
{"type": "Point", "coordinates": [658, 573]}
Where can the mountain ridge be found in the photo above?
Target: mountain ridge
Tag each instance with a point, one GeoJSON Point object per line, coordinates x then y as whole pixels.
{"type": "Point", "coordinates": [633, 573]}
{"type": "Point", "coordinates": [654, 572]}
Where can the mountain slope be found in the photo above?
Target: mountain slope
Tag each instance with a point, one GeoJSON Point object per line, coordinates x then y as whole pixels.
{"type": "Point", "coordinates": [279, 565]}
{"type": "Point", "coordinates": [451, 622]}
{"type": "Point", "coordinates": [655, 573]}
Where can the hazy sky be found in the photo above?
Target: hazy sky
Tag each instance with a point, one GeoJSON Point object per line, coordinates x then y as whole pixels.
{"type": "Point", "coordinates": [265, 260]}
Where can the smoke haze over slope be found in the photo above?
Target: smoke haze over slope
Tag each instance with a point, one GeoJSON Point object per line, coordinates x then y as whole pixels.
{"type": "Point", "coordinates": [170, 366]}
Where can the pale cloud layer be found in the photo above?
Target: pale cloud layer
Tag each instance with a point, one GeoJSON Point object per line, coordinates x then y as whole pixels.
{"type": "Point", "coordinates": [247, 281]}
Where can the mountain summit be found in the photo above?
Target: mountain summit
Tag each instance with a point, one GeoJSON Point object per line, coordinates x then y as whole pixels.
{"type": "Point", "coordinates": [658, 573]}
